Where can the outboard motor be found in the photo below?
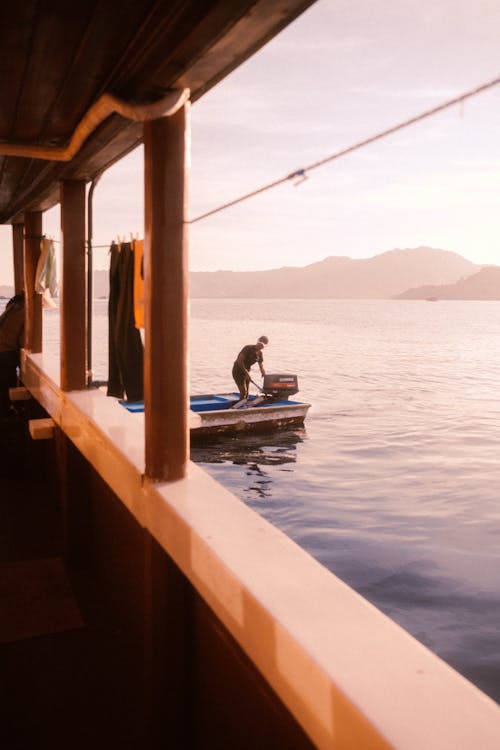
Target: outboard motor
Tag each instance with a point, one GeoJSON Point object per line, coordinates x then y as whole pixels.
{"type": "Point", "coordinates": [280, 387]}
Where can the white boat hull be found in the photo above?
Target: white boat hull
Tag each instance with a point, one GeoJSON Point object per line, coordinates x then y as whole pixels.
{"type": "Point", "coordinates": [256, 419]}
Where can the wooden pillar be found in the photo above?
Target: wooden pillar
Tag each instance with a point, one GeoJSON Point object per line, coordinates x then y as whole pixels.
{"type": "Point", "coordinates": [32, 237]}
{"type": "Point", "coordinates": [73, 299]}
{"type": "Point", "coordinates": [166, 296]}
{"type": "Point", "coordinates": [18, 256]}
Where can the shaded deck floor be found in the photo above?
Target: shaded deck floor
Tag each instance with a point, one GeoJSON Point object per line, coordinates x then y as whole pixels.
{"type": "Point", "coordinates": [65, 675]}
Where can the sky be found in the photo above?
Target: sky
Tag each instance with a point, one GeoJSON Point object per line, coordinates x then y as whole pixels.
{"type": "Point", "coordinates": [342, 72]}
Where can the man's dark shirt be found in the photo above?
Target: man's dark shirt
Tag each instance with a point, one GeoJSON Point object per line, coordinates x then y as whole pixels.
{"type": "Point", "coordinates": [251, 355]}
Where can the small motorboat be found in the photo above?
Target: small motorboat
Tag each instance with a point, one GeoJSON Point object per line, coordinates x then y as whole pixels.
{"type": "Point", "coordinates": [226, 413]}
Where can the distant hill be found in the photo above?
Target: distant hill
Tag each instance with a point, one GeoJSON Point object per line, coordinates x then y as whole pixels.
{"type": "Point", "coordinates": [406, 274]}
{"type": "Point", "coordinates": [381, 277]}
{"type": "Point", "coordinates": [483, 285]}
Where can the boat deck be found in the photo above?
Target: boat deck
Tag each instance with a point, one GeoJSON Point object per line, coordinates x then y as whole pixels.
{"type": "Point", "coordinates": [65, 671]}
{"type": "Point", "coordinates": [219, 402]}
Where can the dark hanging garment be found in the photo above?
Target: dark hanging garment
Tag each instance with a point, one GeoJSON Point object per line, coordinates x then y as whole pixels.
{"type": "Point", "coordinates": [125, 361]}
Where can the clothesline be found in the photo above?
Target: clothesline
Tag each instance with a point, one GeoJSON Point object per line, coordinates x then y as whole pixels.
{"type": "Point", "coordinates": [301, 174]}
{"type": "Point", "coordinates": [107, 246]}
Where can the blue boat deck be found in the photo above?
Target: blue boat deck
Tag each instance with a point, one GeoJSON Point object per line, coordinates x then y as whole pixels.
{"type": "Point", "coordinates": [213, 403]}
{"type": "Point", "coordinates": [207, 403]}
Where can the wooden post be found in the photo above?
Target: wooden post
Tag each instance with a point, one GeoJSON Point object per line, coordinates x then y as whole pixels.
{"type": "Point", "coordinates": [32, 237]}
{"type": "Point", "coordinates": [73, 299]}
{"type": "Point", "coordinates": [18, 256]}
{"type": "Point", "coordinates": [166, 296]}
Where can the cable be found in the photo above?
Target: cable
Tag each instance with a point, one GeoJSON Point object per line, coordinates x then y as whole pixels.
{"type": "Point", "coordinates": [302, 173]}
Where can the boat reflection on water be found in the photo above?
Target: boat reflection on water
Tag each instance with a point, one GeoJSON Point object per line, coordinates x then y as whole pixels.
{"type": "Point", "coordinates": [258, 453]}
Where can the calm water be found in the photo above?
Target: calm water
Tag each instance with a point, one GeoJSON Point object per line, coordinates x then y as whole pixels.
{"type": "Point", "coordinates": [394, 482]}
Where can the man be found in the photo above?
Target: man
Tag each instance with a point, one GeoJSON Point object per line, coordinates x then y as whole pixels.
{"type": "Point", "coordinates": [248, 356]}
{"type": "Point", "coordinates": [11, 340]}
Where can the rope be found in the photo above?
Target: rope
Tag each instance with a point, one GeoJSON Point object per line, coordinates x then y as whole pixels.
{"type": "Point", "coordinates": [301, 174]}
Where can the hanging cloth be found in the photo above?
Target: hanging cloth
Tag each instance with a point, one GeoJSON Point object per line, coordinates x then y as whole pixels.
{"type": "Point", "coordinates": [125, 350]}
{"type": "Point", "coordinates": [139, 283]}
{"type": "Point", "coordinates": [46, 269]}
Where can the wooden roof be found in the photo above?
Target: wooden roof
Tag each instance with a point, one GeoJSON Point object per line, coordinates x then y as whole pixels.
{"type": "Point", "coordinates": [58, 58]}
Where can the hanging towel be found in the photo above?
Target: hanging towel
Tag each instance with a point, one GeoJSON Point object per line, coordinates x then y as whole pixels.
{"type": "Point", "coordinates": [46, 269]}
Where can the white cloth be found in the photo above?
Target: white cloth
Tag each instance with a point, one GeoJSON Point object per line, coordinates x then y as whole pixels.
{"type": "Point", "coordinates": [46, 270]}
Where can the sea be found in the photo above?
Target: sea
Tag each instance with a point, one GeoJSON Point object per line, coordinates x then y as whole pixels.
{"type": "Point", "coordinates": [394, 482]}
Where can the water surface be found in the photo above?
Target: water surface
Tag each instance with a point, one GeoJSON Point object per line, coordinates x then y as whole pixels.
{"type": "Point", "coordinates": [393, 484]}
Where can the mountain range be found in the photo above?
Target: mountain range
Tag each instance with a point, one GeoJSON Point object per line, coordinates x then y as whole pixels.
{"type": "Point", "coordinates": [412, 273]}
{"type": "Point", "coordinates": [337, 277]}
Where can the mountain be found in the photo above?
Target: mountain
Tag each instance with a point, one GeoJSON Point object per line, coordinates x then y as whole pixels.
{"type": "Point", "coordinates": [484, 285]}
{"type": "Point", "coordinates": [381, 277]}
{"type": "Point", "coordinates": [395, 273]}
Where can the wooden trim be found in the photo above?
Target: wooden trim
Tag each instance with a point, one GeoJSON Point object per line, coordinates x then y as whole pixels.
{"type": "Point", "coordinates": [73, 307]}
{"type": "Point", "coordinates": [33, 325]}
{"type": "Point", "coordinates": [166, 297]}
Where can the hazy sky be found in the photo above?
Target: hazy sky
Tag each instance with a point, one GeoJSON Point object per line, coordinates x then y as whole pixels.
{"type": "Point", "coordinates": [345, 70]}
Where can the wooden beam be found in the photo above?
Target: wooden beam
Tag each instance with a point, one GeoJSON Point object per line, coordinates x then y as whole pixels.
{"type": "Point", "coordinates": [32, 237]}
{"type": "Point", "coordinates": [166, 297]}
{"type": "Point", "coordinates": [18, 256]}
{"type": "Point", "coordinates": [41, 429]}
{"type": "Point", "coordinates": [19, 394]}
{"type": "Point", "coordinates": [73, 307]}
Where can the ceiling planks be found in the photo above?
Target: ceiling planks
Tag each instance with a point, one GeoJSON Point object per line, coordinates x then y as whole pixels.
{"type": "Point", "coordinates": [58, 58]}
